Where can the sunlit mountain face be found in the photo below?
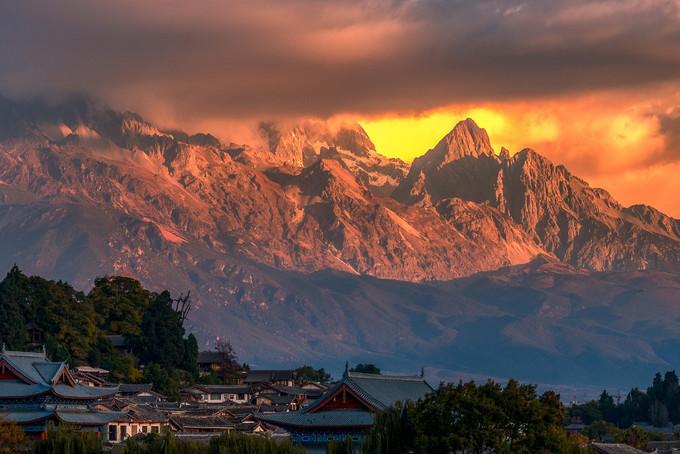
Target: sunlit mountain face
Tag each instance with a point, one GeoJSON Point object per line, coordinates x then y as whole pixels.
{"type": "Point", "coordinates": [490, 186]}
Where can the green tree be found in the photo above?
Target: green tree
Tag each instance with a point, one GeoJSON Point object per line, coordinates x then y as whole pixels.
{"type": "Point", "coordinates": [119, 303]}
{"type": "Point", "coordinates": [392, 432]}
{"type": "Point", "coordinates": [12, 324]}
{"type": "Point", "coordinates": [310, 374]}
{"type": "Point", "coordinates": [468, 418]}
{"type": "Point", "coordinates": [366, 369]}
{"type": "Point", "coordinates": [340, 447]}
{"type": "Point", "coordinates": [190, 359]}
{"type": "Point", "coordinates": [607, 407]}
{"type": "Point", "coordinates": [65, 439]}
{"type": "Point", "coordinates": [633, 436]}
{"type": "Point", "coordinates": [162, 335]}
{"type": "Point", "coordinates": [12, 437]}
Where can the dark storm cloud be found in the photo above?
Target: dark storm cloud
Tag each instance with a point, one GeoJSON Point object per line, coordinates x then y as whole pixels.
{"type": "Point", "coordinates": [264, 57]}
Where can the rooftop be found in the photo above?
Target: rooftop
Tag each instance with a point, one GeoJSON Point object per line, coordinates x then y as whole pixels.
{"type": "Point", "coordinates": [32, 374]}
{"type": "Point", "coordinates": [338, 418]}
{"type": "Point", "coordinates": [380, 391]}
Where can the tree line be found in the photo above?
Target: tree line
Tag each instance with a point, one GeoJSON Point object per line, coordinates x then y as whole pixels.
{"type": "Point", "coordinates": [473, 419]}
{"type": "Point", "coordinates": [658, 405]}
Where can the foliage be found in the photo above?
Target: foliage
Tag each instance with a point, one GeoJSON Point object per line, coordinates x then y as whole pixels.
{"type": "Point", "coordinates": [393, 431]}
{"type": "Point", "coordinates": [162, 336]}
{"type": "Point", "coordinates": [119, 303]}
{"type": "Point", "coordinates": [228, 359]}
{"type": "Point", "coordinates": [468, 418]}
{"type": "Point", "coordinates": [12, 437]}
{"type": "Point", "coordinates": [366, 369]}
{"type": "Point", "coordinates": [12, 325]}
{"type": "Point", "coordinates": [308, 373]}
{"type": "Point", "coordinates": [659, 405]}
{"type": "Point", "coordinates": [228, 443]}
{"type": "Point", "coordinates": [237, 443]}
{"type": "Point", "coordinates": [64, 439]}
{"type": "Point", "coordinates": [340, 447]}
{"type": "Point", "coordinates": [75, 326]}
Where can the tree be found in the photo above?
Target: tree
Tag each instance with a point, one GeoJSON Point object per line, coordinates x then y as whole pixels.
{"type": "Point", "coordinates": [119, 303]}
{"type": "Point", "coordinates": [633, 436]}
{"type": "Point", "coordinates": [392, 431]}
{"type": "Point", "coordinates": [658, 414]}
{"type": "Point", "coordinates": [468, 418]}
{"type": "Point", "coordinates": [607, 407]}
{"type": "Point", "coordinates": [227, 357]}
{"type": "Point", "coordinates": [589, 412]}
{"type": "Point", "coordinates": [12, 324]}
{"type": "Point", "coordinates": [162, 335]}
{"type": "Point", "coordinates": [366, 369]}
{"type": "Point", "coordinates": [315, 375]}
{"type": "Point", "coordinates": [64, 439]}
{"type": "Point", "coordinates": [12, 437]}
{"type": "Point", "coordinates": [190, 360]}
{"type": "Point", "coordinates": [340, 447]}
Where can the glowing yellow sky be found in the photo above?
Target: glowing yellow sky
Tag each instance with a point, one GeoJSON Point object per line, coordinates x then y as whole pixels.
{"type": "Point", "coordinates": [612, 141]}
{"type": "Point", "coordinates": [408, 137]}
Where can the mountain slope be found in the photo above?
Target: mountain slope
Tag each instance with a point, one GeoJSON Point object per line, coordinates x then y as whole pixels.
{"type": "Point", "coordinates": [315, 247]}
{"type": "Point", "coordinates": [581, 225]}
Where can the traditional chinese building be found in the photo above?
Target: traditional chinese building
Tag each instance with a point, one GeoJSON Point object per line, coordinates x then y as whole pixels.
{"type": "Point", "coordinates": [35, 391]}
{"type": "Point", "coordinates": [347, 409]}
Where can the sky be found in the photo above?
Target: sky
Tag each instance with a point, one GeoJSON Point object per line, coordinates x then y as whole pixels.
{"type": "Point", "coordinates": [593, 85]}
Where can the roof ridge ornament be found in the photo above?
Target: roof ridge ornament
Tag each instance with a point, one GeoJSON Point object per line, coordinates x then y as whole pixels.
{"type": "Point", "coordinates": [346, 373]}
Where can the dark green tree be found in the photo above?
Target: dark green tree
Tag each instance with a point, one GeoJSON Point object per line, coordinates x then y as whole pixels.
{"type": "Point", "coordinates": [366, 369]}
{"type": "Point", "coordinates": [310, 374]}
{"type": "Point", "coordinates": [162, 335]}
{"type": "Point", "coordinates": [189, 361]}
{"type": "Point", "coordinates": [12, 324]}
{"type": "Point", "coordinates": [119, 304]}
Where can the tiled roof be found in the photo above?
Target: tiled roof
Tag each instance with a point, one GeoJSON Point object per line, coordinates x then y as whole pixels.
{"type": "Point", "coordinates": [40, 375]}
{"type": "Point", "coordinates": [83, 392]}
{"type": "Point", "coordinates": [386, 390]}
{"type": "Point", "coordinates": [90, 418]}
{"type": "Point", "coordinates": [25, 363]}
{"type": "Point", "coordinates": [209, 357]}
{"type": "Point", "coordinates": [268, 376]}
{"type": "Point", "coordinates": [615, 448]}
{"type": "Point", "coordinates": [134, 388]}
{"type": "Point", "coordinates": [224, 389]}
{"type": "Point", "coordinates": [25, 417]}
{"type": "Point", "coordinates": [17, 389]}
{"type": "Point", "coordinates": [210, 422]}
{"type": "Point", "coordinates": [335, 418]}
{"type": "Point", "coordinates": [380, 391]}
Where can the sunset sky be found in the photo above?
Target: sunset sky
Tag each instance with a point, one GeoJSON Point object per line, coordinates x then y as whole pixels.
{"type": "Point", "coordinates": [594, 85]}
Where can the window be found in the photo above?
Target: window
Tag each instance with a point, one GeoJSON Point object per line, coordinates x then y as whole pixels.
{"type": "Point", "coordinates": [145, 429]}
{"type": "Point", "coordinates": [133, 430]}
{"type": "Point", "coordinates": [112, 432]}
{"type": "Point", "coordinates": [215, 396]}
{"type": "Point", "coordinates": [241, 396]}
{"type": "Point", "coordinates": [123, 432]}
{"type": "Point", "coordinates": [154, 429]}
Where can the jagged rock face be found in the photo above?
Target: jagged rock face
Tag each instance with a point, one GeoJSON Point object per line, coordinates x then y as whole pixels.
{"type": "Point", "coordinates": [187, 192]}
{"type": "Point", "coordinates": [305, 143]}
{"type": "Point", "coordinates": [582, 225]}
{"type": "Point", "coordinates": [87, 191]}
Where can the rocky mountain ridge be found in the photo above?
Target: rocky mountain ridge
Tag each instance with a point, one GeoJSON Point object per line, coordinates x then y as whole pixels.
{"type": "Point", "coordinates": [87, 191]}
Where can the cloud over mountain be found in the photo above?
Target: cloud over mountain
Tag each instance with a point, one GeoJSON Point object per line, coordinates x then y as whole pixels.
{"type": "Point", "coordinates": [305, 57]}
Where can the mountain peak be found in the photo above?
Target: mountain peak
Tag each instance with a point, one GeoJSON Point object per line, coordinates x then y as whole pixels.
{"type": "Point", "coordinates": [466, 139]}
